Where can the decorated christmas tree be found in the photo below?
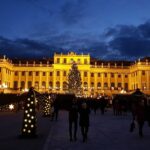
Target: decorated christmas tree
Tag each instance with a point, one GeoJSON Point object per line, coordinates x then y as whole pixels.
{"type": "Point", "coordinates": [47, 107]}
{"type": "Point", "coordinates": [74, 80]}
{"type": "Point", "coordinates": [29, 120]}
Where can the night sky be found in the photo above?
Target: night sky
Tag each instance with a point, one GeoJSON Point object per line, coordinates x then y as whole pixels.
{"type": "Point", "coordinates": [107, 29]}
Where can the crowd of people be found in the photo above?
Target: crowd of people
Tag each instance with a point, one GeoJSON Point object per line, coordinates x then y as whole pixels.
{"type": "Point", "coordinates": [79, 113]}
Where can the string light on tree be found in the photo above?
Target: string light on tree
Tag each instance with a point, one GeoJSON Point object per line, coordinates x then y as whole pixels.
{"type": "Point", "coordinates": [74, 80]}
{"type": "Point", "coordinates": [29, 120]}
{"type": "Point", "coordinates": [47, 107]}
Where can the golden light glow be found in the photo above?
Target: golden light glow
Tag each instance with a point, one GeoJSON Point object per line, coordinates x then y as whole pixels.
{"type": "Point", "coordinates": [104, 75]}
{"type": "Point", "coordinates": [11, 106]}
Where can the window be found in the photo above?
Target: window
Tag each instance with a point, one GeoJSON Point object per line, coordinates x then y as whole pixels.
{"type": "Point", "coordinates": [119, 85]}
{"type": "Point", "coordinates": [85, 84]}
{"type": "Point", "coordinates": [51, 74]}
{"type": "Point", "coordinates": [58, 60]}
{"type": "Point", "coordinates": [71, 60]}
{"type": "Point", "coordinates": [29, 84]}
{"type": "Point", "coordinates": [16, 73]}
{"type": "Point", "coordinates": [50, 85]}
{"type": "Point", "coordinates": [98, 74]}
{"type": "Point", "coordinates": [44, 73]}
{"type": "Point", "coordinates": [105, 75]}
{"type": "Point", "coordinates": [126, 76]}
{"type": "Point", "coordinates": [126, 86]}
{"type": "Point", "coordinates": [57, 85]}
{"type": "Point", "coordinates": [143, 72]}
{"type": "Point", "coordinates": [15, 84]}
{"type": "Point", "coordinates": [64, 73]}
{"type": "Point", "coordinates": [112, 75]}
{"type": "Point", "coordinates": [30, 73]}
{"type": "Point", "coordinates": [23, 73]}
{"type": "Point", "coordinates": [85, 74]}
{"type": "Point", "coordinates": [65, 86]}
{"type": "Point", "coordinates": [119, 75]}
{"type": "Point", "coordinates": [105, 85]}
{"type": "Point", "coordinates": [92, 84]}
{"type": "Point", "coordinates": [65, 60]}
{"type": "Point", "coordinates": [112, 85]}
{"type": "Point", "coordinates": [0, 69]}
{"type": "Point", "coordinates": [43, 84]}
{"type": "Point", "coordinates": [58, 73]}
{"type": "Point", "coordinates": [36, 85]}
{"type": "Point", "coordinates": [92, 74]}
{"type": "Point", "coordinates": [98, 85]}
{"type": "Point", "coordinates": [37, 73]}
{"type": "Point", "coordinates": [85, 61]}
{"type": "Point", "coordinates": [22, 84]}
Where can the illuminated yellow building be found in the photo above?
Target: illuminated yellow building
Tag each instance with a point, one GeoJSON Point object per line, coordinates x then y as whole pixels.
{"type": "Point", "coordinates": [98, 77]}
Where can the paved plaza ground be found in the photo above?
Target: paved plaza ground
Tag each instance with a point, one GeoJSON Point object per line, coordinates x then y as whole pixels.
{"type": "Point", "coordinates": [106, 132]}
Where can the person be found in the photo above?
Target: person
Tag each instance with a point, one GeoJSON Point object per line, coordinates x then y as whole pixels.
{"type": "Point", "coordinates": [140, 116]}
{"type": "Point", "coordinates": [55, 107]}
{"type": "Point", "coordinates": [73, 120]}
{"type": "Point", "coordinates": [103, 104]}
{"type": "Point", "coordinates": [84, 120]}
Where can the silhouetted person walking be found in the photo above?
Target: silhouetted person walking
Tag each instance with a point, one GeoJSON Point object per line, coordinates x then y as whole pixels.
{"type": "Point", "coordinates": [73, 120]}
{"type": "Point", "coordinates": [84, 120]}
{"type": "Point", "coordinates": [139, 115]}
{"type": "Point", "coordinates": [56, 110]}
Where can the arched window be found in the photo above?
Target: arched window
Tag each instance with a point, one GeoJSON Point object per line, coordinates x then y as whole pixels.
{"type": "Point", "coordinates": [105, 85]}
{"type": "Point", "coordinates": [50, 85]}
{"type": "Point", "coordinates": [43, 84]}
{"type": "Point", "coordinates": [98, 85]}
{"type": "Point", "coordinates": [57, 85]}
{"type": "Point", "coordinates": [36, 85]}
{"type": "Point", "coordinates": [92, 84]}
{"type": "Point", "coordinates": [22, 84]}
{"type": "Point", "coordinates": [85, 84]}
{"type": "Point", "coordinates": [29, 84]}
{"type": "Point", "coordinates": [65, 86]}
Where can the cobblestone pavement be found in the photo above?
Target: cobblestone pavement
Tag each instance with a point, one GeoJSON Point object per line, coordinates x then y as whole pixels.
{"type": "Point", "coordinates": [106, 132]}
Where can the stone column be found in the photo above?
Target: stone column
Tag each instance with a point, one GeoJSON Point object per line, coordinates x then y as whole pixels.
{"type": "Point", "coordinates": [40, 80]}
{"type": "Point", "coordinates": [139, 81]}
{"type": "Point", "coordinates": [148, 80]}
{"type": "Point", "coordinates": [130, 82]}
{"type": "Point", "coordinates": [102, 80]}
{"type": "Point", "coordinates": [33, 78]}
{"type": "Point", "coordinates": [61, 81]}
{"type": "Point", "coordinates": [89, 79]}
{"type": "Point", "coordinates": [108, 81]}
{"type": "Point", "coordinates": [95, 83]}
{"type": "Point", "coordinates": [116, 80]}
{"type": "Point", "coordinates": [19, 79]}
{"type": "Point", "coordinates": [54, 80]}
{"type": "Point", "coordinates": [122, 80]}
{"type": "Point", "coordinates": [47, 81]}
{"type": "Point", "coordinates": [26, 80]}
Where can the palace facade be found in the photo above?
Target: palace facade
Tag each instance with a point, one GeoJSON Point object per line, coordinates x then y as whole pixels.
{"type": "Point", "coordinates": [98, 77]}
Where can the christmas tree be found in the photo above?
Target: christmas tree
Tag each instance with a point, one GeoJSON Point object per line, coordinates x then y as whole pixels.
{"type": "Point", "coordinates": [74, 80]}
{"type": "Point", "coordinates": [29, 120]}
{"type": "Point", "coordinates": [47, 107]}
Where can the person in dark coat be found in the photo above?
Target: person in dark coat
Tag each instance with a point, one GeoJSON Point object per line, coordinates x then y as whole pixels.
{"type": "Point", "coordinates": [140, 116]}
{"type": "Point", "coordinates": [103, 104]}
{"type": "Point", "coordinates": [55, 105]}
{"type": "Point", "coordinates": [84, 120]}
{"type": "Point", "coordinates": [73, 120]}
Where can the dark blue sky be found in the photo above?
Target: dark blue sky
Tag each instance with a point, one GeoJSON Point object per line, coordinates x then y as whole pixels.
{"type": "Point", "coordinates": [107, 29]}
